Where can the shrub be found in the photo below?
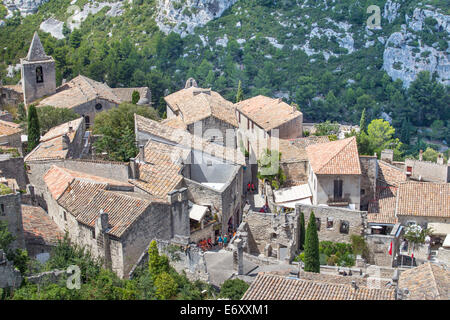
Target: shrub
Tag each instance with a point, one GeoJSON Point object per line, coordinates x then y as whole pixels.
{"type": "Point", "coordinates": [233, 289]}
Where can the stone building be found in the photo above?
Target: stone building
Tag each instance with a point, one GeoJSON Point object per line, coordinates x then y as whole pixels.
{"type": "Point", "coordinates": [110, 219]}
{"type": "Point", "coordinates": [10, 276]}
{"type": "Point", "coordinates": [10, 95]}
{"type": "Point", "coordinates": [270, 234]}
{"type": "Point", "coordinates": [261, 117]}
{"type": "Point", "coordinates": [88, 97]}
{"type": "Point", "coordinates": [333, 223]}
{"type": "Point", "coordinates": [213, 174]}
{"type": "Point", "coordinates": [38, 73]}
{"type": "Point", "coordinates": [10, 135]}
{"type": "Point", "coordinates": [204, 113]}
{"type": "Point", "coordinates": [428, 171]}
{"type": "Point", "coordinates": [335, 173]}
{"type": "Point", "coordinates": [11, 213]}
{"type": "Point", "coordinates": [41, 233]}
{"type": "Point", "coordinates": [369, 174]}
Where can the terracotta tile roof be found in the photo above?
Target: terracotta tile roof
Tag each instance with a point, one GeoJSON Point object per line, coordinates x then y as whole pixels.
{"type": "Point", "coordinates": [123, 210]}
{"type": "Point", "coordinates": [390, 174]}
{"type": "Point", "coordinates": [382, 209]}
{"type": "Point", "coordinates": [161, 173]}
{"type": "Point", "coordinates": [38, 227]}
{"type": "Point", "coordinates": [424, 199]}
{"type": "Point", "coordinates": [336, 157]}
{"type": "Point", "coordinates": [295, 149]}
{"type": "Point", "coordinates": [274, 287]}
{"type": "Point", "coordinates": [187, 140]}
{"type": "Point", "coordinates": [51, 146]}
{"type": "Point", "coordinates": [78, 91]}
{"type": "Point", "coordinates": [126, 94]}
{"type": "Point", "coordinates": [63, 129]}
{"type": "Point", "coordinates": [196, 104]}
{"type": "Point", "coordinates": [426, 282]}
{"type": "Point", "coordinates": [58, 179]}
{"type": "Point", "coordinates": [175, 123]}
{"type": "Point", "coordinates": [267, 112]}
{"type": "Point", "coordinates": [9, 128]}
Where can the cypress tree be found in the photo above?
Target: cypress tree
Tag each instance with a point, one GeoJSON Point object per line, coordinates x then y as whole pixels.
{"type": "Point", "coordinates": [312, 261]}
{"type": "Point", "coordinates": [135, 97]}
{"type": "Point", "coordinates": [362, 122]}
{"type": "Point", "coordinates": [240, 93]}
{"type": "Point", "coordinates": [301, 230]}
{"type": "Point", "coordinates": [34, 131]}
{"type": "Point", "coordinates": [404, 132]}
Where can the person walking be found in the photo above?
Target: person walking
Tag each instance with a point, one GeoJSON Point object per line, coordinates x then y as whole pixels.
{"type": "Point", "coordinates": [219, 241]}
{"type": "Point", "coordinates": [225, 240]}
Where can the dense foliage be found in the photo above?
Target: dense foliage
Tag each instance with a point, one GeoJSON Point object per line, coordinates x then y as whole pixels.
{"type": "Point", "coordinates": [116, 130]}
{"type": "Point", "coordinates": [50, 117]}
{"type": "Point", "coordinates": [301, 230]}
{"type": "Point", "coordinates": [233, 289]}
{"type": "Point", "coordinates": [34, 131]}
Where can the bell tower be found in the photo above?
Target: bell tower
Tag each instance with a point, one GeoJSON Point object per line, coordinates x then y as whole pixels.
{"type": "Point", "coordinates": [38, 73]}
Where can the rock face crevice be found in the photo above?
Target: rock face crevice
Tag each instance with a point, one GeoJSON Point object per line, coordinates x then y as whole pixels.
{"type": "Point", "coordinates": [406, 55]}
{"type": "Point", "coordinates": [183, 16]}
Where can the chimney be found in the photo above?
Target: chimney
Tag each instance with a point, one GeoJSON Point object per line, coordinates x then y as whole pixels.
{"type": "Point", "coordinates": [65, 142]}
{"type": "Point", "coordinates": [387, 155]}
{"type": "Point", "coordinates": [103, 221]}
{"type": "Point", "coordinates": [134, 168]}
{"type": "Point", "coordinates": [238, 257]}
{"type": "Point", "coordinates": [440, 159]}
{"type": "Point", "coordinates": [421, 155]}
{"type": "Point", "coordinates": [141, 154]}
{"type": "Point", "coordinates": [354, 285]}
{"type": "Point", "coordinates": [172, 196]}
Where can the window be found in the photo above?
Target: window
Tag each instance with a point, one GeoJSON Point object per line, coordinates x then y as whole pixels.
{"type": "Point", "coordinates": [345, 226]}
{"type": "Point", "coordinates": [248, 124]}
{"type": "Point", "coordinates": [39, 75]}
{"type": "Point", "coordinates": [318, 224]}
{"type": "Point", "coordinates": [86, 119]}
{"type": "Point", "coordinates": [4, 95]}
{"type": "Point", "coordinates": [253, 125]}
{"type": "Point", "coordinates": [98, 106]}
{"type": "Point", "coordinates": [363, 192]}
{"type": "Point", "coordinates": [409, 170]}
{"type": "Point", "coordinates": [239, 117]}
{"type": "Point", "coordinates": [338, 189]}
{"type": "Point", "coordinates": [2, 210]}
{"type": "Point", "coordinates": [329, 223]}
{"type": "Point", "coordinates": [65, 216]}
{"type": "Point", "coordinates": [93, 233]}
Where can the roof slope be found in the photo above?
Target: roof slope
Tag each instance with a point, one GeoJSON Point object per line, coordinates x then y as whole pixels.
{"type": "Point", "coordinates": [267, 112]}
{"type": "Point", "coordinates": [382, 209]}
{"type": "Point", "coordinates": [390, 174]}
{"type": "Point", "coordinates": [336, 157]}
{"type": "Point", "coordinates": [80, 90]}
{"type": "Point", "coordinates": [38, 227]}
{"type": "Point", "coordinates": [36, 51]}
{"type": "Point", "coordinates": [62, 129]}
{"type": "Point", "coordinates": [9, 128]}
{"type": "Point", "coordinates": [426, 282]}
{"type": "Point", "coordinates": [295, 149]}
{"type": "Point", "coordinates": [424, 199]}
{"type": "Point", "coordinates": [196, 104]}
{"type": "Point", "coordinates": [274, 287]}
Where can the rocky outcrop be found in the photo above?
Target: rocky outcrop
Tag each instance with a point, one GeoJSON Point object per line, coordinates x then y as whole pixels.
{"type": "Point", "coordinates": [183, 16]}
{"type": "Point", "coordinates": [54, 27]}
{"type": "Point", "coordinates": [25, 7]}
{"type": "Point", "coordinates": [406, 55]}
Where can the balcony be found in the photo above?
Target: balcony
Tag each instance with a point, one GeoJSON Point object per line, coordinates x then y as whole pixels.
{"type": "Point", "coordinates": [339, 201]}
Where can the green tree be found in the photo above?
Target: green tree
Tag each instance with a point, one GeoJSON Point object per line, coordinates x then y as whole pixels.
{"type": "Point", "coordinates": [166, 286]}
{"type": "Point", "coordinates": [301, 230]}
{"type": "Point", "coordinates": [75, 38]}
{"type": "Point", "coordinates": [326, 128]}
{"type": "Point", "coordinates": [116, 127]}
{"type": "Point", "coordinates": [269, 168]}
{"type": "Point", "coordinates": [240, 93]}
{"type": "Point", "coordinates": [21, 112]}
{"type": "Point", "coordinates": [157, 263]}
{"type": "Point", "coordinates": [312, 259]}
{"type": "Point", "coordinates": [135, 97]}
{"type": "Point", "coordinates": [233, 289]}
{"type": "Point", "coordinates": [33, 128]}
{"type": "Point", "coordinates": [50, 117]}
{"type": "Point", "coordinates": [362, 122]}
{"type": "Point", "coordinates": [430, 155]}
{"type": "Point", "coordinates": [380, 136]}
{"type": "Point", "coordinates": [6, 238]}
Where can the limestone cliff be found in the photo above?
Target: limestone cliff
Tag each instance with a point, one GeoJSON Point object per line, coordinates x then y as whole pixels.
{"type": "Point", "coordinates": [182, 16]}
{"type": "Point", "coordinates": [25, 7]}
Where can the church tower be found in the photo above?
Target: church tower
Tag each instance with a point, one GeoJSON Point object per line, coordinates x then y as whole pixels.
{"type": "Point", "coordinates": [38, 73]}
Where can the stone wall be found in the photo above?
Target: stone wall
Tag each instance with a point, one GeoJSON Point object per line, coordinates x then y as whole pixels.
{"type": "Point", "coordinates": [10, 277]}
{"type": "Point", "coordinates": [296, 172]}
{"type": "Point", "coordinates": [11, 213]}
{"type": "Point", "coordinates": [324, 190]}
{"type": "Point", "coordinates": [212, 126]}
{"type": "Point", "coordinates": [14, 168]}
{"type": "Point", "coordinates": [428, 171]}
{"type": "Point", "coordinates": [13, 140]}
{"type": "Point", "coordinates": [273, 235]}
{"type": "Point", "coordinates": [444, 256]}
{"type": "Point", "coordinates": [9, 97]}
{"type": "Point", "coordinates": [379, 249]}
{"type": "Point", "coordinates": [369, 174]}
{"type": "Point", "coordinates": [357, 220]}
{"type": "Point", "coordinates": [33, 90]}
{"type": "Point", "coordinates": [88, 110]}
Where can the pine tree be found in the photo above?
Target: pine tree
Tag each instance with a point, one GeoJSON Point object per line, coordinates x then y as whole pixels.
{"type": "Point", "coordinates": [404, 132]}
{"type": "Point", "coordinates": [240, 93]}
{"type": "Point", "coordinates": [312, 260]}
{"type": "Point", "coordinates": [301, 229]}
{"type": "Point", "coordinates": [33, 128]}
{"type": "Point", "coordinates": [362, 122]}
